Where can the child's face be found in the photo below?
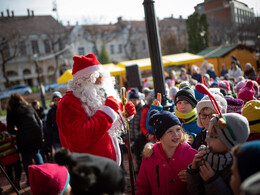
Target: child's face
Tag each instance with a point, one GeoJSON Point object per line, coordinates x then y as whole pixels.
{"type": "Point", "coordinates": [172, 137]}
{"type": "Point", "coordinates": [235, 181]}
{"type": "Point", "coordinates": [184, 106]}
{"type": "Point", "coordinates": [214, 143]}
{"type": "Point", "coordinates": [205, 115]}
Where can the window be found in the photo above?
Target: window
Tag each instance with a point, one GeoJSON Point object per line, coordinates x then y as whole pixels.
{"type": "Point", "coordinates": [81, 51]}
{"type": "Point", "coordinates": [120, 50]}
{"type": "Point", "coordinates": [47, 46]}
{"type": "Point", "coordinates": [144, 45]}
{"type": "Point", "coordinates": [35, 47]}
{"type": "Point", "coordinates": [22, 48]}
{"type": "Point", "coordinates": [26, 71]}
{"type": "Point", "coordinates": [112, 49]}
{"type": "Point", "coordinates": [11, 73]}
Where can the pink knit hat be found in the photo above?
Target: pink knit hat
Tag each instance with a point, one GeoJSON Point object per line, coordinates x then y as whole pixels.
{"type": "Point", "coordinates": [47, 178]}
{"type": "Point", "coordinates": [85, 65]}
{"type": "Point", "coordinates": [247, 92]}
{"type": "Point", "coordinates": [224, 85]}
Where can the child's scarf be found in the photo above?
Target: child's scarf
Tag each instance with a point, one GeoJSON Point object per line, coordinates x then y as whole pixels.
{"type": "Point", "coordinates": [218, 162]}
{"type": "Point", "coordinates": [186, 117]}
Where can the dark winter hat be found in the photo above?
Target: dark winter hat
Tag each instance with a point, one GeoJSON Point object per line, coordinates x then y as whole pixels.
{"type": "Point", "coordinates": [234, 131]}
{"type": "Point", "coordinates": [248, 159]}
{"type": "Point", "coordinates": [133, 94]}
{"type": "Point", "coordinates": [161, 121]}
{"type": "Point", "coordinates": [91, 174]}
{"type": "Point", "coordinates": [187, 94]}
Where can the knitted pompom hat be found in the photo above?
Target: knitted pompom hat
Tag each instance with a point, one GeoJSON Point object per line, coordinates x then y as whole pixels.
{"type": "Point", "coordinates": [235, 105]}
{"type": "Point", "coordinates": [85, 65]}
{"type": "Point", "coordinates": [161, 121]}
{"type": "Point", "coordinates": [48, 178]}
{"type": "Point", "coordinates": [247, 92]}
{"type": "Point", "coordinates": [251, 111]}
{"type": "Point", "coordinates": [205, 102]}
{"type": "Point", "coordinates": [91, 174]}
{"type": "Point", "coordinates": [232, 130]}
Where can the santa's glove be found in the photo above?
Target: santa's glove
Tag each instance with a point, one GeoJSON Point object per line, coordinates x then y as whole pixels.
{"type": "Point", "coordinates": [112, 103]}
{"type": "Point", "coordinates": [130, 108]}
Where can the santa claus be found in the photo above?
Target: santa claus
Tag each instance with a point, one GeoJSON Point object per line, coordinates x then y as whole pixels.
{"type": "Point", "coordinates": [88, 116]}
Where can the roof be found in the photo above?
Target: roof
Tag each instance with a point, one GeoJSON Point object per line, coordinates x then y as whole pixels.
{"type": "Point", "coordinates": [221, 51]}
{"type": "Point", "coordinates": [27, 25]}
{"type": "Point", "coordinates": [215, 52]}
{"type": "Point", "coordinates": [167, 60]}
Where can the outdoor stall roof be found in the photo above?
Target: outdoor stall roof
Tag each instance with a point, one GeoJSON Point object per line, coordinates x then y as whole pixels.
{"type": "Point", "coordinates": [113, 69]}
{"type": "Point", "coordinates": [143, 64]}
{"type": "Point", "coordinates": [167, 60]}
{"type": "Point", "coordinates": [182, 58]}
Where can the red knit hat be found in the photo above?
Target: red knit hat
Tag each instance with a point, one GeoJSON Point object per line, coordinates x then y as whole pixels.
{"type": "Point", "coordinates": [247, 92]}
{"type": "Point", "coordinates": [47, 178]}
{"type": "Point", "coordinates": [85, 65]}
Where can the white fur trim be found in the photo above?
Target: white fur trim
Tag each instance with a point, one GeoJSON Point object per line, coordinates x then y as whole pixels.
{"type": "Point", "coordinates": [109, 111]}
{"type": "Point", "coordinates": [117, 149]}
{"type": "Point", "coordinates": [87, 71]}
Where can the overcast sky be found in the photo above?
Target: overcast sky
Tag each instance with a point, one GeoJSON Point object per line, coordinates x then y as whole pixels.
{"type": "Point", "coordinates": [105, 11]}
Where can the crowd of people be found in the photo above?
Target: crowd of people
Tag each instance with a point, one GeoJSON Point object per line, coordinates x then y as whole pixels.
{"type": "Point", "coordinates": [205, 141]}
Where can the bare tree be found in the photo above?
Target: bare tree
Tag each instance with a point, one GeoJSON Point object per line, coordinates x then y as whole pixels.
{"type": "Point", "coordinates": [58, 40]}
{"type": "Point", "coordinates": [8, 51]}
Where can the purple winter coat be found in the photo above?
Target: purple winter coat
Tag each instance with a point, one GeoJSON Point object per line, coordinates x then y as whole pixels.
{"type": "Point", "coordinates": [159, 176]}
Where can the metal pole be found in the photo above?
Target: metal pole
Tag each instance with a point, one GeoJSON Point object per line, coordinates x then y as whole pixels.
{"type": "Point", "coordinates": [155, 50]}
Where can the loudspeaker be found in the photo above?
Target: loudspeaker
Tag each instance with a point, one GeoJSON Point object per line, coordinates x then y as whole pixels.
{"type": "Point", "coordinates": [133, 76]}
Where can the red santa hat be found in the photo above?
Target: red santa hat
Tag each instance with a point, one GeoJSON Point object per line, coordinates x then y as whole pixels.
{"type": "Point", "coordinates": [48, 178]}
{"type": "Point", "coordinates": [85, 65]}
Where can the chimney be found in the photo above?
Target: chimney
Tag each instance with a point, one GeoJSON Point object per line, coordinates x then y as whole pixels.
{"type": "Point", "coordinates": [28, 11]}
{"type": "Point", "coordinates": [68, 23]}
{"type": "Point", "coordinates": [180, 17]}
{"type": "Point", "coordinates": [2, 14]}
{"type": "Point", "coordinates": [8, 13]}
{"type": "Point", "coordinates": [171, 15]}
{"type": "Point", "coordinates": [32, 13]}
{"type": "Point", "coordinates": [119, 19]}
{"type": "Point", "coordinates": [12, 13]}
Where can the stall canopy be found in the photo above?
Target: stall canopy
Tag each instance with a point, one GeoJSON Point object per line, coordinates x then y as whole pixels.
{"type": "Point", "coordinates": [167, 60]}
{"type": "Point", "coordinates": [113, 69]}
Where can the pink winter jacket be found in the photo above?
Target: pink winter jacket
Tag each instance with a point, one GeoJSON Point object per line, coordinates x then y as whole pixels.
{"type": "Point", "coordinates": [159, 176]}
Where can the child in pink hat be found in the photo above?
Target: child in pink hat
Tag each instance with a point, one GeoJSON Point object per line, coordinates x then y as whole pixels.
{"type": "Point", "coordinates": [51, 179]}
{"type": "Point", "coordinates": [247, 92]}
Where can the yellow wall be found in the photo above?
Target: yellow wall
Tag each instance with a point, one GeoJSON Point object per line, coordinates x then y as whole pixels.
{"type": "Point", "coordinates": [242, 55]}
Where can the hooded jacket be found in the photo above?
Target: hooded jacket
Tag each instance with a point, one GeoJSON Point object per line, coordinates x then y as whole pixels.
{"type": "Point", "coordinates": [159, 175]}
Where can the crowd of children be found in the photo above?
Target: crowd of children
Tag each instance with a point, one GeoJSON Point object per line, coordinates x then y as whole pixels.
{"type": "Point", "coordinates": [208, 142]}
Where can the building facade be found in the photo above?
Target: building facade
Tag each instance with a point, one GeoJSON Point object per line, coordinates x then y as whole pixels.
{"type": "Point", "coordinates": [229, 20]}
{"type": "Point", "coordinates": [32, 49]}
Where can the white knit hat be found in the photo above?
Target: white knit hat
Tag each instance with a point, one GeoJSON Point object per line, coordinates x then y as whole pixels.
{"type": "Point", "coordinates": [205, 102]}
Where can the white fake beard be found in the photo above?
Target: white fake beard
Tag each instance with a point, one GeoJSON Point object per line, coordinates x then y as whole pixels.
{"type": "Point", "coordinates": [93, 96]}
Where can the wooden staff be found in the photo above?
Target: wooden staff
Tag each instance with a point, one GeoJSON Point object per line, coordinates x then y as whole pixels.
{"type": "Point", "coordinates": [130, 158]}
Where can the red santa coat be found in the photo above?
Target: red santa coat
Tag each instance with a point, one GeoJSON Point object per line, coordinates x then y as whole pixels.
{"type": "Point", "coordinates": [81, 134]}
{"type": "Point", "coordinates": [159, 175]}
